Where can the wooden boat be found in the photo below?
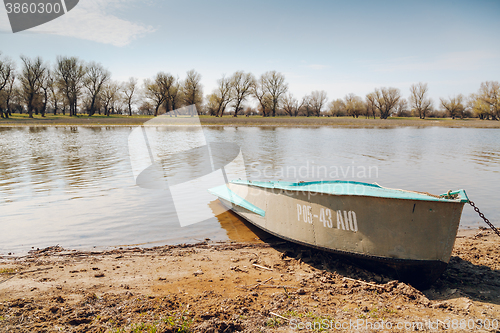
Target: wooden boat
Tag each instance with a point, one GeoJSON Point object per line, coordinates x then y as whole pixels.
{"type": "Point", "coordinates": [407, 235]}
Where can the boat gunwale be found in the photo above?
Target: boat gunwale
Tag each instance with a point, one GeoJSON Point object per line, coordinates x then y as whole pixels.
{"type": "Point", "coordinates": [290, 186]}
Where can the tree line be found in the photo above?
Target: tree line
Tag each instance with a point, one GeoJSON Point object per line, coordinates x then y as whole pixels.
{"type": "Point", "coordinates": [72, 86]}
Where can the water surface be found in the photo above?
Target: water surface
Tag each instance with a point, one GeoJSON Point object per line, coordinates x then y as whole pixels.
{"type": "Point", "coordinates": [73, 186]}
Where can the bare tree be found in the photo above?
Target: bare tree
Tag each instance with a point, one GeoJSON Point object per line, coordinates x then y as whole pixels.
{"type": "Point", "coordinates": [146, 108]}
{"type": "Point", "coordinates": [164, 90]}
{"type": "Point", "coordinates": [153, 90]}
{"type": "Point", "coordinates": [489, 93]}
{"type": "Point", "coordinates": [70, 73]}
{"type": "Point", "coordinates": [317, 101]}
{"type": "Point", "coordinates": [110, 94]}
{"type": "Point", "coordinates": [212, 104]}
{"type": "Point", "coordinates": [469, 105]}
{"type": "Point", "coordinates": [306, 105]}
{"type": "Point", "coordinates": [7, 77]}
{"type": "Point", "coordinates": [454, 106]}
{"type": "Point", "coordinates": [64, 102]}
{"type": "Point", "coordinates": [385, 99]}
{"type": "Point", "coordinates": [349, 104]}
{"type": "Point", "coordinates": [31, 80]}
{"type": "Point", "coordinates": [370, 105]}
{"type": "Point", "coordinates": [193, 90]}
{"type": "Point", "coordinates": [418, 99]}
{"type": "Point", "coordinates": [260, 93]}
{"type": "Point", "coordinates": [95, 77]}
{"type": "Point", "coordinates": [354, 105]}
{"type": "Point", "coordinates": [45, 91]}
{"type": "Point", "coordinates": [176, 95]}
{"type": "Point", "coordinates": [165, 82]}
{"type": "Point", "coordinates": [241, 84]}
{"type": "Point", "coordinates": [479, 107]}
{"type": "Point", "coordinates": [129, 89]}
{"type": "Point", "coordinates": [222, 95]}
{"type": "Point", "coordinates": [54, 93]}
{"type": "Point", "coordinates": [6, 96]}
{"type": "Point", "coordinates": [274, 84]}
{"type": "Point", "coordinates": [337, 108]}
{"type": "Point", "coordinates": [6, 71]}
{"type": "Point", "coordinates": [402, 108]}
{"type": "Point", "coordinates": [59, 99]}
{"type": "Point", "coordinates": [291, 105]}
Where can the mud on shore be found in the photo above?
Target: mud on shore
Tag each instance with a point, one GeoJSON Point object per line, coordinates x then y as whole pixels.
{"type": "Point", "coordinates": [242, 287]}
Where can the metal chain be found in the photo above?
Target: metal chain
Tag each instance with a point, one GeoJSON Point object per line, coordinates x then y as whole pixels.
{"type": "Point", "coordinates": [481, 215]}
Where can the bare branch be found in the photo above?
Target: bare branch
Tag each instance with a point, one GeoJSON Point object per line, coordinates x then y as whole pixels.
{"type": "Point", "coordinates": [418, 99]}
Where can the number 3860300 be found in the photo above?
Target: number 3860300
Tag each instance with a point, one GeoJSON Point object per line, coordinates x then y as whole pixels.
{"type": "Point", "coordinates": [32, 8]}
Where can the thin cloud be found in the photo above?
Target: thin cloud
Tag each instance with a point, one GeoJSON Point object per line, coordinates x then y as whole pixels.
{"type": "Point", "coordinates": [317, 66]}
{"type": "Point", "coordinates": [458, 61]}
{"type": "Point", "coordinates": [94, 20]}
{"type": "Point", "coordinates": [4, 20]}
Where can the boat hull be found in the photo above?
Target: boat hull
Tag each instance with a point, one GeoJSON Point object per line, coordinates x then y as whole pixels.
{"type": "Point", "coordinates": [410, 240]}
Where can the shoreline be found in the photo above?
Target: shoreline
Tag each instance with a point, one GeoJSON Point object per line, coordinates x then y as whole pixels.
{"type": "Point", "coordinates": [253, 121]}
{"type": "Point", "coordinates": [260, 237]}
{"type": "Point", "coordinates": [236, 286]}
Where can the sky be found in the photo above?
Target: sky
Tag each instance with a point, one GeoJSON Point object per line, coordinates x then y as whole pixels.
{"type": "Point", "coordinates": [338, 46]}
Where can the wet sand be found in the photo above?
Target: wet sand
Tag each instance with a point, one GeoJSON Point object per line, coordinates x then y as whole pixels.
{"type": "Point", "coordinates": [249, 286]}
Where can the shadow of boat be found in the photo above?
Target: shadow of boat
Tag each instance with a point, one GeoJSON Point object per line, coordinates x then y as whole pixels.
{"type": "Point", "coordinates": [462, 278]}
{"type": "Point", "coordinates": [237, 229]}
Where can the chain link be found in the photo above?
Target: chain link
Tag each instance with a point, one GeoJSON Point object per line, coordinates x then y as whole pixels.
{"type": "Point", "coordinates": [481, 215]}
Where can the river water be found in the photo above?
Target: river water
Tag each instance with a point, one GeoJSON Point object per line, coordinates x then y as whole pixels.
{"type": "Point", "coordinates": [74, 186]}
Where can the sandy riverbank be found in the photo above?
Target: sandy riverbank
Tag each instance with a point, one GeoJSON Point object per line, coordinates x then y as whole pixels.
{"type": "Point", "coordinates": [229, 287]}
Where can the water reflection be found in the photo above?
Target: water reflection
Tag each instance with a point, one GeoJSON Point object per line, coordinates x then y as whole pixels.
{"type": "Point", "coordinates": [236, 228]}
{"type": "Point", "coordinates": [485, 158]}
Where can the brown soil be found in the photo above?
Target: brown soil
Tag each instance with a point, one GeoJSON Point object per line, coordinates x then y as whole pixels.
{"type": "Point", "coordinates": [232, 287]}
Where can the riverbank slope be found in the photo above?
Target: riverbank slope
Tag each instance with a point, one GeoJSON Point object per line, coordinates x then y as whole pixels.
{"type": "Point", "coordinates": [229, 287]}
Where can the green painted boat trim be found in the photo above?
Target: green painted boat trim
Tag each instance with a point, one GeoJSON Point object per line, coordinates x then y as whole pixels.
{"type": "Point", "coordinates": [226, 194]}
{"type": "Point", "coordinates": [341, 187]}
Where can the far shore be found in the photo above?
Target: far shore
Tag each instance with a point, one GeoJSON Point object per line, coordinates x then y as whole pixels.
{"type": "Point", "coordinates": [282, 121]}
